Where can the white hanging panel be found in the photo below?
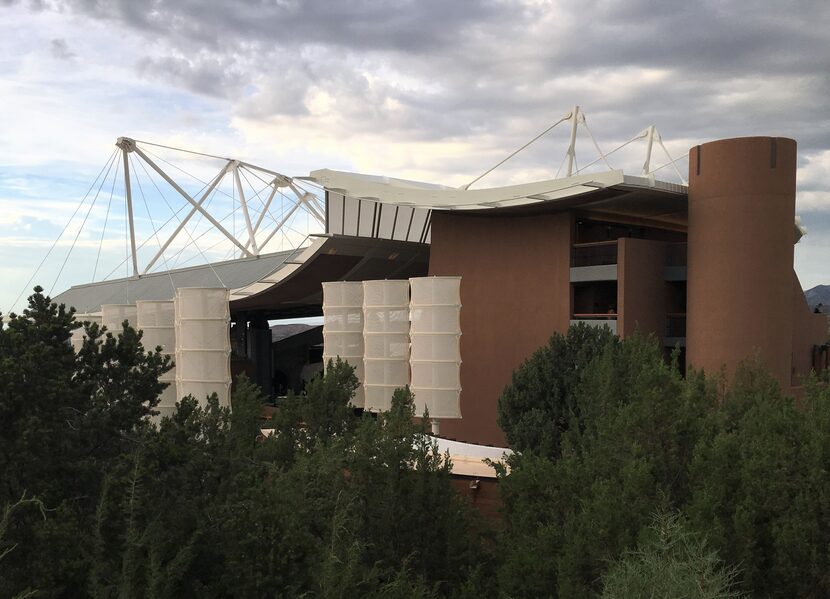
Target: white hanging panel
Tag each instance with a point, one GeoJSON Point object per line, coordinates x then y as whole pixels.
{"type": "Point", "coordinates": [393, 346]}
{"type": "Point", "coordinates": [435, 291]}
{"type": "Point", "coordinates": [113, 316]}
{"type": "Point", "coordinates": [343, 328]}
{"type": "Point", "coordinates": [203, 345]}
{"type": "Point", "coordinates": [201, 333]}
{"type": "Point", "coordinates": [342, 344]}
{"type": "Point", "coordinates": [435, 318]}
{"type": "Point", "coordinates": [202, 365]}
{"type": "Point", "coordinates": [435, 359]}
{"type": "Point", "coordinates": [386, 341]}
{"type": "Point", "coordinates": [157, 320]}
{"type": "Point", "coordinates": [430, 346]}
{"type": "Point", "coordinates": [202, 302]}
{"type": "Point", "coordinates": [342, 320]}
{"type": "Point", "coordinates": [79, 334]}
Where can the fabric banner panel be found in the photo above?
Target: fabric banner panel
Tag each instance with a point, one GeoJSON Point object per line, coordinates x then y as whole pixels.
{"type": "Point", "coordinates": [435, 360]}
{"type": "Point", "coordinates": [386, 341]}
{"type": "Point", "coordinates": [114, 315]}
{"type": "Point", "coordinates": [79, 334]}
{"type": "Point", "coordinates": [157, 321]}
{"type": "Point", "coordinates": [343, 328]}
{"type": "Point", "coordinates": [203, 345]}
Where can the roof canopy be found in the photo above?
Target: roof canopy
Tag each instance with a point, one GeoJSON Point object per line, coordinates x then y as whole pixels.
{"type": "Point", "coordinates": [611, 191]}
{"type": "Point", "coordinates": [278, 285]}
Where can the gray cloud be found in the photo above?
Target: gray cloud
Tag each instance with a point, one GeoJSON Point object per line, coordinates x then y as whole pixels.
{"type": "Point", "coordinates": [434, 69]}
{"type": "Point", "coordinates": [60, 50]}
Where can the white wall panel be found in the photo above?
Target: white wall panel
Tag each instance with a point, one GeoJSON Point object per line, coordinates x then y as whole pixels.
{"type": "Point", "coordinates": [79, 334]}
{"type": "Point", "coordinates": [203, 348]}
{"type": "Point", "coordinates": [435, 334]}
{"type": "Point", "coordinates": [113, 316]}
{"type": "Point", "coordinates": [343, 328]}
{"type": "Point", "coordinates": [157, 320]}
{"type": "Point", "coordinates": [386, 341]}
{"type": "Point", "coordinates": [334, 205]}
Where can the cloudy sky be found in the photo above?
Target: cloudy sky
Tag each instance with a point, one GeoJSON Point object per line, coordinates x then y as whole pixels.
{"type": "Point", "coordinates": [434, 90]}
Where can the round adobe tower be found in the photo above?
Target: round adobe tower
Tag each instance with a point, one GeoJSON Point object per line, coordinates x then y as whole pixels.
{"type": "Point", "coordinates": [740, 254]}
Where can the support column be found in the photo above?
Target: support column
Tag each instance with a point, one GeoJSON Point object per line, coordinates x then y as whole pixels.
{"type": "Point", "coordinates": [259, 352]}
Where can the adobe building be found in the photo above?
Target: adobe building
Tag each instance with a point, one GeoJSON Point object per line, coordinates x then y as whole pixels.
{"type": "Point", "coordinates": [706, 267]}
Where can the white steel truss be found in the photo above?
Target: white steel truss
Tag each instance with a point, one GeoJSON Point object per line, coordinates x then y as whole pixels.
{"type": "Point", "coordinates": [250, 245]}
{"type": "Point", "coordinates": [576, 117]}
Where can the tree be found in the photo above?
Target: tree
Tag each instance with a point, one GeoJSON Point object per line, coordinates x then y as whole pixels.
{"type": "Point", "coordinates": [743, 465]}
{"type": "Point", "coordinates": [66, 418]}
{"type": "Point", "coordinates": [540, 403]}
{"type": "Point", "coordinates": [671, 561]}
{"type": "Point", "coordinates": [761, 488]}
{"type": "Point", "coordinates": [624, 455]}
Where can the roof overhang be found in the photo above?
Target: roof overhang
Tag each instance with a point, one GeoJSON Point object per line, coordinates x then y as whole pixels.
{"type": "Point", "coordinates": [295, 289]}
{"type": "Point", "coordinates": [162, 285]}
{"type": "Point", "coordinates": [410, 193]}
{"type": "Point", "coordinates": [279, 285]}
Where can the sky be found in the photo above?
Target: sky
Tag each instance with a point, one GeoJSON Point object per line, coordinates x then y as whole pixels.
{"type": "Point", "coordinates": [430, 90]}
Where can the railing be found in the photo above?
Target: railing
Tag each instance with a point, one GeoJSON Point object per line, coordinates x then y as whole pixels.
{"type": "Point", "coordinates": [676, 325]}
{"type": "Point", "coordinates": [597, 316]}
{"type": "Point", "coordinates": [594, 254]}
{"type": "Point", "coordinates": [596, 320]}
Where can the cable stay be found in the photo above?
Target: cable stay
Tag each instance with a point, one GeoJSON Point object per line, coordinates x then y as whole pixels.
{"type": "Point", "coordinates": [576, 118]}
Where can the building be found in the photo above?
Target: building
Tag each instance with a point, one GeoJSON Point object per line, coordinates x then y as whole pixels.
{"type": "Point", "coordinates": [706, 267]}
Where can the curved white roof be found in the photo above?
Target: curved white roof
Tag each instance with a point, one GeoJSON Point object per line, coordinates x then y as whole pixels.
{"type": "Point", "coordinates": [412, 193]}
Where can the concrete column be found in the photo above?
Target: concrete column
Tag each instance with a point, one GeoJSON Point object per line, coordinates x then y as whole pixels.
{"type": "Point", "coordinates": [740, 254]}
{"type": "Point", "coordinates": [259, 352]}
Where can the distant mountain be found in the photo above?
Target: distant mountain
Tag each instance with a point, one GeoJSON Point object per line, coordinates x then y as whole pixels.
{"type": "Point", "coordinates": [820, 294]}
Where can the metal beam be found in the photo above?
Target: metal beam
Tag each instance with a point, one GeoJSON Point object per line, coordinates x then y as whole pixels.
{"type": "Point", "coordinates": [247, 216]}
{"type": "Point", "coordinates": [649, 146]}
{"type": "Point", "coordinates": [304, 200]}
{"type": "Point", "coordinates": [196, 205]}
{"type": "Point", "coordinates": [129, 195]}
{"type": "Point", "coordinates": [572, 144]}
{"type": "Point", "coordinates": [265, 208]}
{"type": "Point", "coordinates": [184, 221]}
{"type": "Point", "coordinates": [279, 226]}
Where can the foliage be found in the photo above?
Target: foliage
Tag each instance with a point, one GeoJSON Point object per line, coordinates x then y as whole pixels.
{"type": "Point", "coordinates": [335, 503]}
{"type": "Point", "coordinates": [66, 418]}
{"type": "Point", "coordinates": [746, 468]}
{"type": "Point", "coordinates": [331, 504]}
{"type": "Point", "coordinates": [540, 404]}
{"type": "Point", "coordinates": [671, 562]}
{"type": "Point", "coordinates": [761, 488]}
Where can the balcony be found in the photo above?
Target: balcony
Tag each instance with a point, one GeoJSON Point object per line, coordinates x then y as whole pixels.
{"type": "Point", "coordinates": [594, 254]}
{"type": "Point", "coordinates": [596, 320]}
{"type": "Point", "coordinates": [595, 261]}
{"type": "Point", "coordinates": [676, 262]}
{"type": "Point", "coordinates": [675, 330]}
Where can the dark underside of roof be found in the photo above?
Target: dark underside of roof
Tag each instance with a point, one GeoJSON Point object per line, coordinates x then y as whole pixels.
{"type": "Point", "coordinates": [340, 259]}
{"type": "Point", "coordinates": [624, 201]}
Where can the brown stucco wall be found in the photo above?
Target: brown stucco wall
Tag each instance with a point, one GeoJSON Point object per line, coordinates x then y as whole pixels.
{"type": "Point", "coordinates": [482, 493]}
{"type": "Point", "coordinates": [515, 293]}
{"type": "Point", "coordinates": [808, 330]}
{"type": "Point", "coordinates": [740, 254]}
{"type": "Point", "coordinates": [641, 287]}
